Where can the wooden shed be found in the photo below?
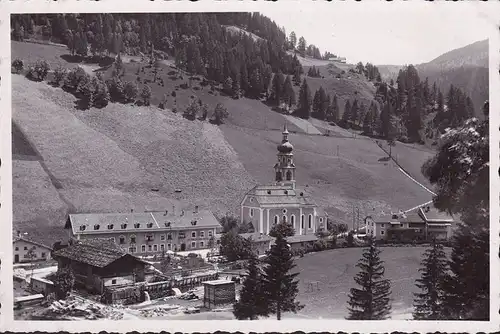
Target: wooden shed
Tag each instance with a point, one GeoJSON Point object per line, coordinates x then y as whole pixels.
{"type": "Point", "coordinates": [218, 293]}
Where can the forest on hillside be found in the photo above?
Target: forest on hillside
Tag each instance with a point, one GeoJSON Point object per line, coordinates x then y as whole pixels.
{"type": "Point", "coordinates": [256, 61]}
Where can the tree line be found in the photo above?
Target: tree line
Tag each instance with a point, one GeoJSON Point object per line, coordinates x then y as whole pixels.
{"type": "Point", "coordinates": [200, 42]}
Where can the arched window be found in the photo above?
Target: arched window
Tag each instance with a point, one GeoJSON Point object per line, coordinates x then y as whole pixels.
{"type": "Point", "coordinates": [251, 212]}
{"type": "Point", "coordinates": [288, 175]}
{"type": "Point", "coordinates": [302, 221]}
{"type": "Point", "coordinates": [310, 221]}
{"type": "Point", "coordinates": [276, 219]}
{"type": "Point", "coordinates": [284, 219]}
{"type": "Point", "coordinates": [292, 220]}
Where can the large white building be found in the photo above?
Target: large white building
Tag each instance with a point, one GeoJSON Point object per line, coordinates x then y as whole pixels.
{"type": "Point", "coordinates": [266, 205]}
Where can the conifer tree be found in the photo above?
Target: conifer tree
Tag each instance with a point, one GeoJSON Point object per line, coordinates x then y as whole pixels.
{"type": "Point", "coordinates": [460, 169]}
{"type": "Point", "coordinates": [288, 92]}
{"type": "Point", "coordinates": [367, 122]}
{"type": "Point", "coordinates": [316, 105]}
{"type": "Point", "coordinates": [428, 304]}
{"type": "Point", "coordinates": [277, 88]}
{"type": "Point", "coordinates": [372, 300]}
{"type": "Point", "coordinates": [354, 112]}
{"type": "Point", "coordinates": [279, 282]}
{"type": "Point", "coordinates": [296, 76]}
{"type": "Point", "coordinates": [252, 303]}
{"type": "Point", "coordinates": [305, 101]}
{"type": "Point", "coordinates": [346, 116]}
{"type": "Point", "coordinates": [336, 109]}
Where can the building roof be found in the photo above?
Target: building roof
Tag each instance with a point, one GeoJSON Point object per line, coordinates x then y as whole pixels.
{"type": "Point", "coordinates": [18, 238]}
{"type": "Point", "coordinates": [95, 252]}
{"type": "Point", "coordinates": [301, 238]}
{"type": "Point", "coordinates": [279, 194]}
{"type": "Point", "coordinates": [92, 223]}
{"type": "Point", "coordinates": [219, 282]}
{"type": "Point", "coordinates": [256, 236]}
{"type": "Point", "coordinates": [433, 215]}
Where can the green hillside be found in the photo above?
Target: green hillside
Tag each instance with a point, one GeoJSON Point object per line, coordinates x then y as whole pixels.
{"type": "Point", "coordinates": [125, 157]}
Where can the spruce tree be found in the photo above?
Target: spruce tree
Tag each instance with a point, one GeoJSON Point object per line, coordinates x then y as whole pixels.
{"type": "Point", "coordinates": [372, 300]}
{"type": "Point", "coordinates": [336, 109]}
{"type": "Point", "coordinates": [305, 101]}
{"type": "Point", "coordinates": [252, 303]}
{"type": "Point", "coordinates": [316, 105]}
{"type": "Point", "coordinates": [354, 112]}
{"type": "Point", "coordinates": [288, 92]}
{"type": "Point", "coordinates": [428, 304]}
{"type": "Point", "coordinates": [346, 116]}
{"type": "Point", "coordinates": [279, 283]}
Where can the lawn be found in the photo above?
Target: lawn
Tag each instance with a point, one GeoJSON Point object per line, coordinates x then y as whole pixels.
{"type": "Point", "coordinates": [335, 269]}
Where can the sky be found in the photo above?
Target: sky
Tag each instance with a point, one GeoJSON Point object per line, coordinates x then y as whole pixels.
{"type": "Point", "coordinates": [385, 33]}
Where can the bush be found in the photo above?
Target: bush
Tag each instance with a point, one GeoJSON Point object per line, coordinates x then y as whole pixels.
{"type": "Point", "coordinates": [41, 70]}
{"type": "Point", "coordinates": [73, 78]}
{"type": "Point", "coordinates": [130, 91]}
{"type": "Point", "coordinates": [18, 65]}
{"type": "Point", "coordinates": [220, 113]}
{"type": "Point", "coordinates": [59, 75]}
{"type": "Point", "coordinates": [63, 283]}
{"type": "Point", "coordinates": [146, 95]}
{"type": "Point", "coordinates": [192, 110]}
{"type": "Point", "coordinates": [86, 91]}
{"type": "Point", "coordinates": [116, 89]}
{"type": "Point", "coordinates": [101, 93]}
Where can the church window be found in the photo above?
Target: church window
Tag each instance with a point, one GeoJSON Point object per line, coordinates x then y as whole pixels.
{"type": "Point", "coordinates": [302, 221]}
{"type": "Point", "coordinates": [284, 210]}
{"type": "Point", "coordinates": [289, 161]}
{"type": "Point", "coordinates": [310, 221]}
{"type": "Point", "coordinates": [286, 192]}
{"type": "Point", "coordinates": [269, 192]}
{"type": "Point", "coordinates": [284, 219]}
{"type": "Point", "coordinates": [251, 212]}
{"type": "Point", "coordinates": [320, 220]}
{"type": "Point", "coordinates": [276, 219]}
{"type": "Point", "coordinates": [278, 176]}
{"type": "Point", "coordinates": [251, 199]}
{"type": "Point", "coordinates": [288, 175]}
{"type": "Point", "coordinates": [292, 220]}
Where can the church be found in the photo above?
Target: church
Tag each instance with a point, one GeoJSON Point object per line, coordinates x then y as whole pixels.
{"type": "Point", "coordinates": [266, 205]}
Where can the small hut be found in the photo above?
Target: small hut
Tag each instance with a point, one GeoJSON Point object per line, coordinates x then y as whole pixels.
{"type": "Point", "coordinates": [219, 292]}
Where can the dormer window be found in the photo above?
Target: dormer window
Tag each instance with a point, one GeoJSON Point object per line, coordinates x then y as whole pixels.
{"type": "Point", "coordinates": [301, 194]}
{"type": "Point", "coordinates": [286, 192]}
{"type": "Point", "coordinates": [150, 225]}
{"type": "Point", "coordinates": [194, 222]}
{"type": "Point", "coordinates": [110, 226]}
{"type": "Point", "coordinates": [96, 226]}
{"type": "Point", "coordinates": [124, 226]}
{"type": "Point", "coordinates": [394, 216]}
{"type": "Point", "coordinates": [83, 227]}
{"type": "Point", "coordinates": [269, 192]}
{"type": "Point", "coordinates": [137, 225]}
{"type": "Point", "coordinates": [167, 224]}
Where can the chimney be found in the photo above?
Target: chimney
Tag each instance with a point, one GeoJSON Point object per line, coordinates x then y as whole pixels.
{"type": "Point", "coordinates": [196, 209]}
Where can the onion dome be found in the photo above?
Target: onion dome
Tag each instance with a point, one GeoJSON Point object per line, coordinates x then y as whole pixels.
{"type": "Point", "coordinates": [285, 147]}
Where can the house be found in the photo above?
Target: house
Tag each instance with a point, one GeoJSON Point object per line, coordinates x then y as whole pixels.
{"type": "Point", "coordinates": [27, 250]}
{"type": "Point", "coordinates": [301, 241]}
{"type": "Point", "coordinates": [338, 59]}
{"type": "Point", "coordinates": [41, 285]}
{"type": "Point", "coordinates": [266, 205]}
{"type": "Point", "coordinates": [148, 233]}
{"type": "Point", "coordinates": [100, 263]}
{"type": "Point", "coordinates": [260, 242]}
{"type": "Point", "coordinates": [422, 223]}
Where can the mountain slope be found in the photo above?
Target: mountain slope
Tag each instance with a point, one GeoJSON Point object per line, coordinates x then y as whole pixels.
{"type": "Point", "coordinates": [466, 68]}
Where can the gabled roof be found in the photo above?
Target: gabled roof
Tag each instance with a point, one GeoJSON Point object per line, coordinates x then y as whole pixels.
{"type": "Point", "coordinates": [95, 252]}
{"type": "Point", "coordinates": [92, 223]}
{"type": "Point", "coordinates": [433, 215]}
{"type": "Point", "coordinates": [279, 194]}
{"type": "Point", "coordinates": [15, 239]}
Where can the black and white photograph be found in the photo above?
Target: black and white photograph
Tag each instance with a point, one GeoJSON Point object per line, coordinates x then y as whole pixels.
{"type": "Point", "coordinates": [283, 164]}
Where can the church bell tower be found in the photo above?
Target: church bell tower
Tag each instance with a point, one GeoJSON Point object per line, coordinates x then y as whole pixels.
{"type": "Point", "coordinates": [285, 168]}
